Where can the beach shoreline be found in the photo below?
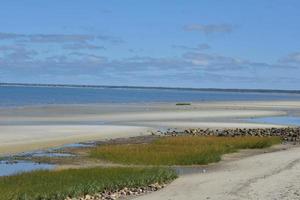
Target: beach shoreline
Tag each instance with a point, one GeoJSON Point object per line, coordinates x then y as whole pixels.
{"type": "Point", "coordinates": [259, 175]}
{"type": "Point", "coordinates": [32, 128]}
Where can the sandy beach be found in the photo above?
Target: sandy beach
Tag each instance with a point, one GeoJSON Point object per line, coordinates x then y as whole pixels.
{"type": "Point", "coordinates": [266, 176]}
{"type": "Point", "coordinates": [37, 127]}
{"type": "Point", "coordinates": [16, 139]}
{"type": "Point", "coordinates": [272, 175]}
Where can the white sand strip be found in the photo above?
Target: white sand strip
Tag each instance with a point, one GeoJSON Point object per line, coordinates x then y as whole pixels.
{"type": "Point", "coordinates": [150, 116]}
{"type": "Point", "coordinates": [14, 139]}
{"type": "Point", "coordinates": [211, 125]}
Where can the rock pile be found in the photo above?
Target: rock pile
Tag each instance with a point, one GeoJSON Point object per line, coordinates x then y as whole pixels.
{"type": "Point", "coordinates": [287, 134]}
{"type": "Point", "coordinates": [116, 194]}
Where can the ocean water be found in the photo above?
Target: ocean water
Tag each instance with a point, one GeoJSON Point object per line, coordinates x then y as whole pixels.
{"type": "Point", "coordinates": [22, 96]}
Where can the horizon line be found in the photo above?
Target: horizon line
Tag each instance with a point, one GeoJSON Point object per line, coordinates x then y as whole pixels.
{"type": "Point", "coordinates": [148, 87]}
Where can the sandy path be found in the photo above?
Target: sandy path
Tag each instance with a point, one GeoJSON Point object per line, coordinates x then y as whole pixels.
{"type": "Point", "coordinates": [268, 176]}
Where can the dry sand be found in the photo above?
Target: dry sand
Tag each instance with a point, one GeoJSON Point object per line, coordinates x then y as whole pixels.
{"type": "Point", "coordinates": [269, 176]}
{"type": "Point", "coordinates": [36, 127]}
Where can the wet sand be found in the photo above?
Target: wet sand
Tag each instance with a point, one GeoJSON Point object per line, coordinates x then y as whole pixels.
{"type": "Point", "coordinates": [16, 139]}
{"type": "Point", "coordinates": [37, 127]}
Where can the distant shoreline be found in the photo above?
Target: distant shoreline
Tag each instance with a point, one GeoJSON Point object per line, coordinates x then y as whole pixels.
{"type": "Point", "coordinates": [147, 87]}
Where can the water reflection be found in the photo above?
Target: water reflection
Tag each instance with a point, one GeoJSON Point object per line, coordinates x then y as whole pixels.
{"type": "Point", "coordinates": [10, 167]}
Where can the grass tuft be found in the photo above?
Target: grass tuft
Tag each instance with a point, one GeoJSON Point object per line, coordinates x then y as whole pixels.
{"type": "Point", "coordinates": [181, 150]}
{"type": "Point", "coordinates": [183, 104]}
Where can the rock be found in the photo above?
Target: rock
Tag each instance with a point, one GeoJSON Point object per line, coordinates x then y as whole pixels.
{"type": "Point", "coordinates": [287, 134]}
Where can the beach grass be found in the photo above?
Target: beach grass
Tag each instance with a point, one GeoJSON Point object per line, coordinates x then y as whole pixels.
{"type": "Point", "coordinates": [181, 150]}
{"type": "Point", "coordinates": [57, 185]}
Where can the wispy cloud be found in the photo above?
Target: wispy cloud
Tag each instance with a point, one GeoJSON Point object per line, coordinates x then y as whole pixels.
{"type": "Point", "coordinates": [78, 59]}
{"type": "Point", "coordinates": [209, 28]}
{"type": "Point", "coordinates": [293, 58]}
{"type": "Point", "coordinates": [213, 61]}
{"type": "Point", "coordinates": [48, 38]}
{"type": "Point", "coordinates": [88, 57]}
{"type": "Point", "coordinates": [80, 46]}
{"type": "Point", "coordinates": [57, 38]}
{"type": "Point", "coordinates": [34, 49]}
{"type": "Point", "coordinates": [199, 47]}
{"type": "Point", "coordinates": [16, 53]}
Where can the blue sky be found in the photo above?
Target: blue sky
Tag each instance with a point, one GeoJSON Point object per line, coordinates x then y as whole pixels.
{"type": "Point", "coordinates": [173, 43]}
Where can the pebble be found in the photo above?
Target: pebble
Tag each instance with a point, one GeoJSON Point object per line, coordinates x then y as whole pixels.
{"type": "Point", "coordinates": [113, 195]}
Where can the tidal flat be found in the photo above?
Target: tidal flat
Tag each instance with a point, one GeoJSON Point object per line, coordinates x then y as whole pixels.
{"type": "Point", "coordinates": [136, 136]}
{"type": "Point", "coordinates": [31, 128]}
{"type": "Point", "coordinates": [100, 170]}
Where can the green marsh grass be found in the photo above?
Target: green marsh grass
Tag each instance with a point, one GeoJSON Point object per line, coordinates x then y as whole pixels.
{"type": "Point", "coordinates": [181, 150]}
{"type": "Point", "coordinates": [183, 104]}
{"type": "Point", "coordinates": [57, 185]}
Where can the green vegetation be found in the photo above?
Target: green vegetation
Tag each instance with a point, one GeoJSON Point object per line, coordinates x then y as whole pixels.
{"type": "Point", "coordinates": [57, 185]}
{"type": "Point", "coordinates": [181, 150]}
{"type": "Point", "coordinates": [183, 104]}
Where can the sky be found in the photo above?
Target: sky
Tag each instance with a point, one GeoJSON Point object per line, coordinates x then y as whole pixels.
{"type": "Point", "coordinates": [251, 44]}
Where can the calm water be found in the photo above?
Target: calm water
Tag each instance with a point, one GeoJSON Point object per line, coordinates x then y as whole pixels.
{"type": "Point", "coordinates": [46, 154]}
{"type": "Point", "coordinates": [56, 151]}
{"type": "Point", "coordinates": [21, 96]}
{"type": "Point", "coordinates": [7, 168]}
{"type": "Point", "coordinates": [282, 120]}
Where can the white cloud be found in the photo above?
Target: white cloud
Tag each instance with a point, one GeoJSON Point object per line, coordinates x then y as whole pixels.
{"type": "Point", "coordinates": [199, 47]}
{"type": "Point", "coordinates": [209, 28]}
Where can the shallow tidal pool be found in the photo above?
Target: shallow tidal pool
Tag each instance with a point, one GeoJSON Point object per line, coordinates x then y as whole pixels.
{"type": "Point", "coordinates": [280, 120]}
{"type": "Point", "coordinates": [8, 167]}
